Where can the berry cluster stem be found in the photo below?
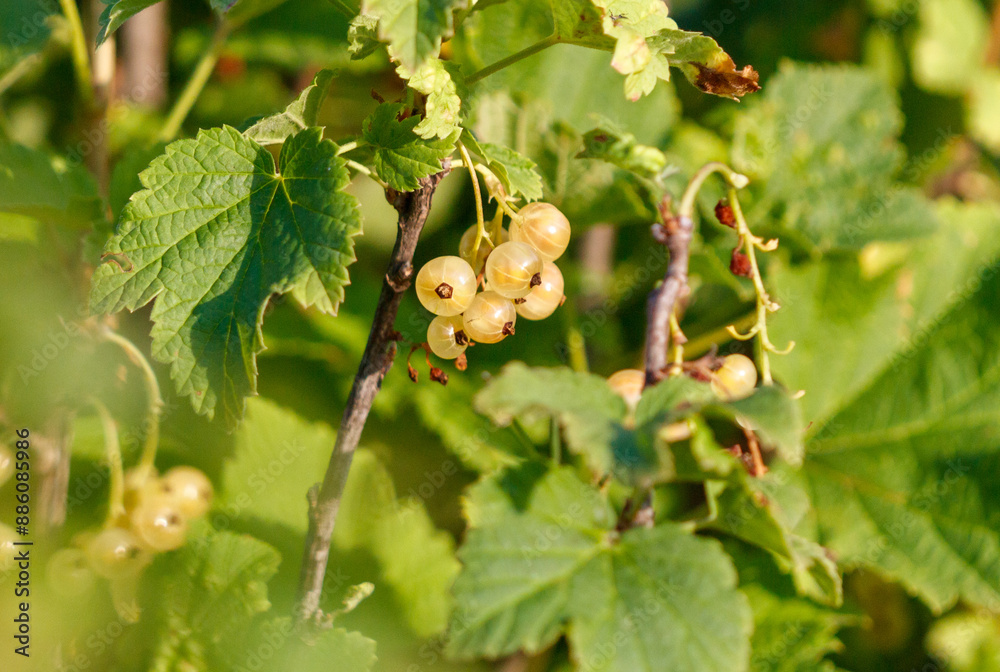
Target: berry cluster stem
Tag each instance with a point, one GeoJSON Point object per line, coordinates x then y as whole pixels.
{"type": "Point", "coordinates": [324, 500]}
{"type": "Point", "coordinates": [765, 305]}
{"type": "Point", "coordinates": [480, 220]}
{"type": "Point", "coordinates": [154, 400]}
{"type": "Point", "coordinates": [113, 450]}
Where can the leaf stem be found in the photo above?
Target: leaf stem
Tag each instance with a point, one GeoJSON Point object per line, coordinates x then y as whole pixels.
{"type": "Point", "coordinates": [112, 448]}
{"type": "Point", "coordinates": [154, 400]}
{"type": "Point", "coordinates": [78, 50]}
{"type": "Point", "coordinates": [324, 500]}
{"type": "Point", "coordinates": [344, 8]}
{"type": "Point", "coordinates": [347, 147]}
{"type": "Point", "coordinates": [530, 50]}
{"type": "Point", "coordinates": [736, 180]}
{"type": "Point", "coordinates": [199, 78]}
{"type": "Point", "coordinates": [365, 170]}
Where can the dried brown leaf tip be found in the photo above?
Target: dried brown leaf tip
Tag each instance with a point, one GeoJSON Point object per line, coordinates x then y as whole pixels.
{"type": "Point", "coordinates": [739, 264]}
{"type": "Point", "coordinates": [723, 79]}
{"type": "Point", "coordinates": [724, 213]}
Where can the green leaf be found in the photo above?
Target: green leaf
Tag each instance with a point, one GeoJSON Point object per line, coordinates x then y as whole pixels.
{"type": "Point", "coordinates": [791, 635]}
{"type": "Point", "coordinates": [416, 559]}
{"type": "Point", "coordinates": [362, 36]}
{"type": "Point", "coordinates": [402, 158]}
{"type": "Point", "coordinates": [215, 234]}
{"type": "Point", "coordinates": [899, 466]}
{"type": "Point", "coordinates": [776, 418]}
{"type": "Point", "coordinates": [217, 584]}
{"type": "Point", "coordinates": [966, 642]}
{"type": "Point", "coordinates": [822, 143]}
{"type": "Point", "coordinates": [38, 186]}
{"type": "Point", "coordinates": [705, 64]}
{"type": "Point", "coordinates": [543, 558]}
{"type": "Point", "coordinates": [116, 13]}
{"type": "Point", "coordinates": [413, 29]}
{"type": "Point", "coordinates": [331, 650]}
{"type": "Point", "coordinates": [436, 79]}
{"type": "Point", "coordinates": [517, 173]}
{"type": "Point", "coordinates": [276, 452]}
{"type": "Point", "coordinates": [301, 114]}
{"type": "Point", "coordinates": [609, 143]}
{"type": "Point", "coordinates": [584, 405]}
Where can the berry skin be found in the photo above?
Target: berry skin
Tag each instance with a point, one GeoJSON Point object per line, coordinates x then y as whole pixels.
{"type": "Point", "coordinates": [513, 269]}
{"type": "Point", "coordinates": [446, 285]}
{"type": "Point", "coordinates": [628, 384]}
{"type": "Point", "coordinates": [6, 464]}
{"type": "Point", "coordinates": [542, 226]}
{"type": "Point", "coordinates": [735, 379]}
{"type": "Point", "coordinates": [68, 573]}
{"type": "Point", "coordinates": [490, 318]}
{"type": "Point", "coordinates": [159, 524]}
{"type": "Point", "coordinates": [446, 337]}
{"type": "Point", "coordinates": [189, 490]}
{"type": "Point", "coordinates": [543, 300]}
{"type": "Point", "coordinates": [469, 240]}
{"type": "Point", "coordinates": [116, 553]}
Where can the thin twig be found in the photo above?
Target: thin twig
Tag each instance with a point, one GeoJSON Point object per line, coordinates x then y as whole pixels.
{"type": "Point", "coordinates": [530, 50]}
{"type": "Point", "coordinates": [413, 208]}
{"type": "Point", "coordinates": [199, 78]}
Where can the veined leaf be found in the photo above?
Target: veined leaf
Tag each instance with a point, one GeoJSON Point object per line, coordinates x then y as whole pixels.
{"type": "Point", "coordinates": [363, 36]}
{"type": "Point", "coordinates": [402, 158]}
{"type": "Point", "coordinates": [216, 233]}
{"type": "Point", "coordinates": [436, 80]}
{"type": "Point", "coordinates": [791, 635]}
{"type": "Point", "coordinates": [543, 559]}
{"type": "Point", "coordinates": [301, 114]}
{"type": "Point", "coordinates": [413, 29]}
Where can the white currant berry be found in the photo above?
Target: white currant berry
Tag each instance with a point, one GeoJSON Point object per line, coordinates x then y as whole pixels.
{"type": "Point", "coordinates": [159, 524]}
{"type": "Point", "coordinates": [189, 489]}
{"type": "Point", "coordinates": [446, 285]}
{"type": "Point", "coordinates": [490, 318]}
{"type": "Point", "coordinates": [115, 553]}
{"type": "Point", "coordinates": [543, 300]}
{"type": "Point", "coordinates": [542, 226]}
{"type": "Point", "coordinates": [513, 269]}
{"type": "Point", "coordinates": [6, 464]}
{"type": "Point", "coordinates": [446, 337]}
{"type": "Point", "coordinates": [628, 384]}
{"type": "Point", "coordinates": [735, 379]}
{"type": "Point", "coordinates": [468, 241]}
{"type": "Point", "coordinates": [68, 573]}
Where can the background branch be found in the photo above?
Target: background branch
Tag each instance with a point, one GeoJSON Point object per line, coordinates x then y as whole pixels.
{"type": "Point", "coordinates": [413, 208]}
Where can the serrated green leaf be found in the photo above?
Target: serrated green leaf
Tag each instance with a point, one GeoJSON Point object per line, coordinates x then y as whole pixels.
{"type": "Point", "coordinates": [402, 158]}
{"type": "Point", "coordinates": [416, 559]}
{"type": "Point", "coordinates": [543, 559]}
{"type": "Point", "coordinates": [609, 143]}
{"type": "Point", "coordinates": [672, 399]}
{"type": "Point", "coordinates": [436, 80]}
{"type": "Point", "coordinates": [791, 635]}
{"type": "Point", "coordinates": [584, 405]}
{"type": "Point", "coordinates": [413, 29]}
{"type": "Point", "coordinates": [116, 13]}
{"type": "Point", "coordinates": [776, 418]}
{"type": "Point", "coordinates": [362, 36]}
{"type": "Point", "coordinates": [39, 186]}
{"type": "Point", "coordinates": [301, 114]}
{"type": "Point", "coordinates": [899, 463]}
{"type": "Point", "coordinates": [517, 173]}
{"type": "Point", "coordinates": [332, 650]}
{"type": "Point", "coordinates": [215, 234]}
{"type": "Point", "coordinates": [826, 172]}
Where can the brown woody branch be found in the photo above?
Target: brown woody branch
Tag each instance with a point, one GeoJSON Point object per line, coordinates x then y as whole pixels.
{"type": "Point", "coordinates": [676, 233]}
{"type": "Point", "coordinates": [324, 501]}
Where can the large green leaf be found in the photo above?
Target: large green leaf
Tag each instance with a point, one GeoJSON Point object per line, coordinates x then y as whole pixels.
{"type": "Point", "coordinates": [791, 635]}
{"type": "Point", "coordinates": [412, 28]}
{"type": "Point", "coordinates": [213, 236]}
{"type": "Point", "coordinates": [402, 158]}
{"type": "Point", "coordinates": [543, 558]}
{"type": "Point", "coordinates": [900, 464]}
{"type": "Point", "coordinates": [822, 143]}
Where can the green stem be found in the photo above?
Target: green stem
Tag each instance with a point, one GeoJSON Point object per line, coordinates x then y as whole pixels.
{"type": "Point", "coordinates": [702, 344]}
{"type": "Point", "coordinates": [347, 147]}
{"type": "Point", "coordinates": [78, 49]}
{"type": "Point", "coordinates": [199, 78]}
{"type": "Point", "coordinates": [480, 221]}
{"type": "Point", "coordinates": [365, 170]}
{"type": "Point", "coordinates": [512, 59]}
{"type": "Point", "coordinates": [153, 399]}
{"type": "Point", "coordinates": [112, 447]}
{"type": "Point", "coordinates": [555, 441]}
{"type": "Point", "coordinates": [735, 179]}
{"type": "Point", "coordinates": [20, 69]}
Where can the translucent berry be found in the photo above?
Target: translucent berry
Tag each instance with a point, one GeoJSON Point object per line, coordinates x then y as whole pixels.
{"type": "Point", "coordinates": [189, 489]}
{"type": "Point", "coordinates": [543, 300]}
{"type": "Point", "coordinates": [736, 378]}
{"type": "Point", "coordinates": [468, 242]}
{"type": "Point", "coordinates": [68, 573]}
{"type": "Point", "coordinates": [628, 384]}
{"type": "Point", "coordinates": [446, 337]}
{"type": "Point", "coordinates": [116, 552]}
{"type": "Point", "coordinates": [159, 524]}
{"type": "Point", "coordinates": [446, 285]}
{"type": "Point", "coordinates": [490, 318]}
{"type": "Point", "coordinates": [542, 226]}
{"type": "Point", "coordinates": [513, 269]}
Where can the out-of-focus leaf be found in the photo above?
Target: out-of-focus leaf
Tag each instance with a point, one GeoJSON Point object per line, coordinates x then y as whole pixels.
{"type": "Point", "coordinates": [301, 114]}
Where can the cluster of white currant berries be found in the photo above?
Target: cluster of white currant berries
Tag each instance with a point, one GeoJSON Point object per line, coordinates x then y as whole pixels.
{"type": "Point", "coordinates": [734, 379]}
{"type": "Point", "coordinates": [156, 517]}
{"type": "Point", "coordinates": [518, 276]}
